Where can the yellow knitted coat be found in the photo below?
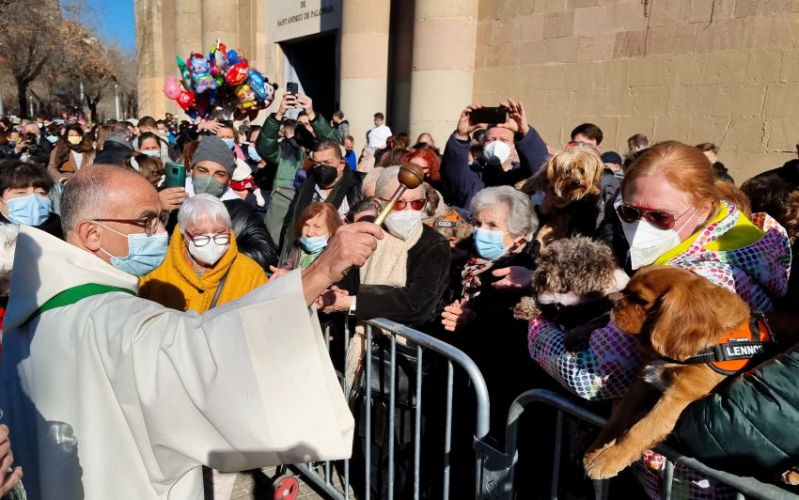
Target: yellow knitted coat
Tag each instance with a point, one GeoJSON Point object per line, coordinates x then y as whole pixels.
{"type": "Point", "coordinates": [175, 283]}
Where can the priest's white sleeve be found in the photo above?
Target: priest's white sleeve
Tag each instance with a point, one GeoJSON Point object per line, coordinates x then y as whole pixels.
{"type": "Point", "coordinates": [247, 385]}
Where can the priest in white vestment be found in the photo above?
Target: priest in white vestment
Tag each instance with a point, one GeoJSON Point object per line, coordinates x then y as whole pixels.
{"type": "Point", "coordinates": [109, 396]}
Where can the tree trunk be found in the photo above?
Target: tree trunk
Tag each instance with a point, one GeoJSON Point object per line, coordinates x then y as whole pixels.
{"type": "Point", "coordinates": [22, 98]}
{"type": "Point", "coordinates": [92, 103]}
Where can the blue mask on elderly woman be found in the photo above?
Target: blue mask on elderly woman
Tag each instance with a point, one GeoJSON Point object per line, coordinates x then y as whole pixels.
{"type": "Point", "coordinates": [489, 243]}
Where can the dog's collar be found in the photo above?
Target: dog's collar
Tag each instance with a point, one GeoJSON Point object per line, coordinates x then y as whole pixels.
{"type": "Point", "coordinates": [734, 351]}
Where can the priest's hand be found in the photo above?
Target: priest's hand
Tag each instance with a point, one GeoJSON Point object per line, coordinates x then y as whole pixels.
{"type": "Point", "coordinates": [349, 247]}
{"type": "Point", "coordinates": [9, 479]}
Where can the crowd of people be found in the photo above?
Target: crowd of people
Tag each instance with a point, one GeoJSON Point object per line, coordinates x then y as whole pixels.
{"type": "Point", "coordinates": [461, 258]}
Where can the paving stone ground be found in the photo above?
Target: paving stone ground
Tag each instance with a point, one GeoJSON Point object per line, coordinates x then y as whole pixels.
{"type": "Point", "coordinates": [255, 486]}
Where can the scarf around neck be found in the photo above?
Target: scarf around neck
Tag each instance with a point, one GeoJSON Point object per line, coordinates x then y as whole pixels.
{"type": "Point", "coordinates": [477, 266]}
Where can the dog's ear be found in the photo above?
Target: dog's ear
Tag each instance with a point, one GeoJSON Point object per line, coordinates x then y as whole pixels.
{"type": "Point", "coordinates": [692, 315]}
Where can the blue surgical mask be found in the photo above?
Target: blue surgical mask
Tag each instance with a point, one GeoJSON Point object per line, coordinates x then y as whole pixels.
{"type": "Point", "coordinates": [145, 252]}
{"type": "Point", "coordinates": [205, 184]}
{"type": "Point", "coordinates": [31, 210]}
{"type": "Point", "coordinates": [52, 138]}
{"type": "Point", "coordinates": [253, 154]}
{"type": "Point", "coordinates": [489, 243]}
{"type": "Point", "coordinates": [229, 142]}
{"type": "Point", "coordinates": [313, 244]}
{"type": "Point", "coordinates": [153, 153]}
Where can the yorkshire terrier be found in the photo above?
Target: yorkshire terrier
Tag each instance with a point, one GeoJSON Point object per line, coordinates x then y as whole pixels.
{"type": "Point", "coordinates": [570, 186]}
{"type": "Point", "coordinates": [572, 287]}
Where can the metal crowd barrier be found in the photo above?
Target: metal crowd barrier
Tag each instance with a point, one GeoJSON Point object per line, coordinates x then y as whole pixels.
{"type": "Point", "coordinates": [500, 466]}
{"type": "Point", "coordinates": [322, 475]}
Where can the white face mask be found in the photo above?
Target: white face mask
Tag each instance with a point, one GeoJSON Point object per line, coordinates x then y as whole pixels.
{"type": "Point", "coordinates": [403, 223]}
{"type": "Point", "coordinates": [498, 149]}
{"type": "Point", "coordinates": [647, 242]}
{"type": "Point", "coordinates": [208, 254]}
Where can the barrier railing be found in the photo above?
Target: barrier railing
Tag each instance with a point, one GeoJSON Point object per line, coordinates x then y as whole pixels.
{"type": "Point", "coordinates": [500, 466]}
{"type": "Point", "coordinates": [321, 475]}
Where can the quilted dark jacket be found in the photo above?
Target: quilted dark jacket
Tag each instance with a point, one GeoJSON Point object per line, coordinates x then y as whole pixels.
{"type": "Point", "coordinates": [750, 426]}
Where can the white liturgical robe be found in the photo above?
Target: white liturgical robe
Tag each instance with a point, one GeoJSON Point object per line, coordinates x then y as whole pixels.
{"type": "Point", "coordinates": [117, 397]}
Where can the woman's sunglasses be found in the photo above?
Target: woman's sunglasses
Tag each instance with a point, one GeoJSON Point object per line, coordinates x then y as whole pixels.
{"type": "Point", "coordinates": [401, 204]}
{"type": "Point", "coordinates": [661, 220]}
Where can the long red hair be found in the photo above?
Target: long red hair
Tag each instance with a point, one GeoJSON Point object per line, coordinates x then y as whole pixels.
{"type": "Point", "coordinates": [431, 158]}
{"type": "Point", "coordinates": [685, 167]}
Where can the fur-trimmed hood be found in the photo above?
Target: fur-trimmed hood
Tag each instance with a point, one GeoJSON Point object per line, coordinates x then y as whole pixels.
{"type": "Point", "coordinates": [8, 244]}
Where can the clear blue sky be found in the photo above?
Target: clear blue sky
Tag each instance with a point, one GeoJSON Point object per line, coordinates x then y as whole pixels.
{"type": "Point", "coordinates": [115, 21]}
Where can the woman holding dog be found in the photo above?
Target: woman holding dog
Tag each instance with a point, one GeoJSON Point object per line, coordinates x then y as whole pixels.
{"type": "Point", "coordinates": [672, 214]}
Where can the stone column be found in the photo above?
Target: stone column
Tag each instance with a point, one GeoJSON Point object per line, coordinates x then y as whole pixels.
{"type": "Point", "coordinates": [187, 37]}
{"type": "Point", "coordinates": [220, 20]}
{"type": "Point", "coordinates": [150, 57]}
{"type": "Point", "coordinates": [188, 28]}
{"type": "Point", "coordinates": [364, 63]}
{"type": "Point", "coordinates": [444, 40]}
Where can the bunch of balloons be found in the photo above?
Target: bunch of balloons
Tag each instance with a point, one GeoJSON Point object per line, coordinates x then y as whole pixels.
{"type": "Point", "coordinates": [222, 82]}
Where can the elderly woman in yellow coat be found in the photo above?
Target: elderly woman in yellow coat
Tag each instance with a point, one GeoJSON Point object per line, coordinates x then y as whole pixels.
{"type": "Point", "coordinates": [203, 267]}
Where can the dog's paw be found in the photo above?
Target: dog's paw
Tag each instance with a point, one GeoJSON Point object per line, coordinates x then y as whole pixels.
{"type": "Point", "coordinates": [605, 463]}
{"type": "Point", "coordinates": [791, 476]}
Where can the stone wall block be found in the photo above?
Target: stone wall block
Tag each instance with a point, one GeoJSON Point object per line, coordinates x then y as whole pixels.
{"type": "Point", "coordinates": [720, 35]}
{"type": "Point", "coordinates": [611, 74]}
{"type": "Point", "coordinates": [559, 24]}
{"type": "Point", "coordinates": [597, 47]}
{"type": "Point", "coordinates": [544, 6]}
{"type": "Point", "coordinates": [627, 15]}
{"type": "Point", "coordinates": [591, 20]}
{"type": "Point", "coordinates": [764, 66]}
{"type": "Point", "coordinates": [671, 39]}
{"type": "Point", "coordinates": [672, 12]}
{"type": "Point", "coordinates": [726, 67]}
{"type": "Point", "coordinates": [563, 49]}
{"type": "Point", "coordinates": [651, 101]}
{"type": "Point", "coordinates": [649, 72]}
{"type": "Point", "coordinates": [630, 44]}
{"type": "Point", "coordinates": [739, 100]}
{"type": "Point", "coordinates": [781, 100]}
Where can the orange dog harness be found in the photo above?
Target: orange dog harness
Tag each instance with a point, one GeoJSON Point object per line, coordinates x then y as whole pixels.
{"type": "Point", "coordinates": [735, 351]}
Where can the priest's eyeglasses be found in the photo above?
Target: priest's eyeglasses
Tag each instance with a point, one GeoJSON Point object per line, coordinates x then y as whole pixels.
{"type": "Point", "coordinates": [150, 224]}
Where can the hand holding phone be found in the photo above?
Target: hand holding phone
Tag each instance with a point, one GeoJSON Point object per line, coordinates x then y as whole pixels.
{"type": "Point", "coordinates": [489, 116]}
{"type": "Point", "coordinates": [175, 175]}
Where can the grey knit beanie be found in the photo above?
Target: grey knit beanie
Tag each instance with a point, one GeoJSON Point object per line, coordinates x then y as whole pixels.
{"type": "Point", "coordinates": [214, 149]}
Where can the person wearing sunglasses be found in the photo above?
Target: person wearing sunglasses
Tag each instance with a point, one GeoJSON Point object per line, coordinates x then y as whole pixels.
{"type": "Point", "coordinates": [672, 212]}
{"type": "Point", "coordinates": [405, 280]}
{"type": "Point", "coordinates": [203, 267]}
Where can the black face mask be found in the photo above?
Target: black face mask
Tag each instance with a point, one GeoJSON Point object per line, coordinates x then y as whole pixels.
{"type": "Point", "coordinates": [324, 175]}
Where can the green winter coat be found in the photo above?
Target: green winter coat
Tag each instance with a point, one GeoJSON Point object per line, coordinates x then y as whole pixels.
{"type": "Point", "coordinates": [751, 426]}
{"type": "Point", "coordinates": [286, 158]}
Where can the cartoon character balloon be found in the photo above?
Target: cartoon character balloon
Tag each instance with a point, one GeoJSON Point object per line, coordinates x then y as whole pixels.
{"type": "Point", "coordinates": [172, 88]}
{"type": "Point", "coordinates": [185, 100]}
{"type": "Point", "coordinates": [185, 74]}
{"type": "Point", "coordinates": [259, 84]}
{"type": "Point", "coordinates": [223, 83]}
{"type": "Point", "coordinates": [200, 73]}
{"type": "Point", "coordinates": [246, 96]}
{"type": "Point", "coordinates": [237, 74]}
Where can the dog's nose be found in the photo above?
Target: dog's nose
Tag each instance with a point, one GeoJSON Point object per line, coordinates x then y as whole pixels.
{"type": "Point", "coordinates": [576, 182]}
{"type": "Point", "coordinates": [615, 298]}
